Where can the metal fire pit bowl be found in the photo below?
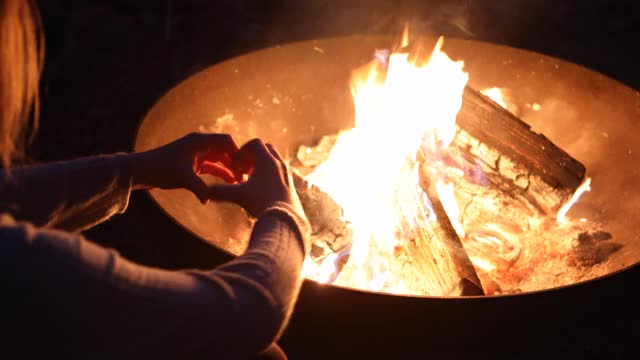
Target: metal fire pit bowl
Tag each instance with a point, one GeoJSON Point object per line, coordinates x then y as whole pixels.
{"type": "Point", "coordinates": [294, 94]}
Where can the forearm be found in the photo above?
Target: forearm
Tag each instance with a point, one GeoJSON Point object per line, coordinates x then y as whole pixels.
{"type": "Point", "coordinates": [273, 262]}
{"type": "Point", "coordinates": [230, 312]}
{"type": "Point", "coordinates": [70, 195]}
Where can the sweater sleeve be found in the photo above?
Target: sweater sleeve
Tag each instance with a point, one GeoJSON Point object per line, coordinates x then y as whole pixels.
{"type": "Point", "coordinates": [70, 195]}
{"type": "Point", "coordinates": [120, 309]}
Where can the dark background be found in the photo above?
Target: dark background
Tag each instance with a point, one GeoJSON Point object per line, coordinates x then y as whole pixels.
{"type": "Point", "coordinates": [107, 62]}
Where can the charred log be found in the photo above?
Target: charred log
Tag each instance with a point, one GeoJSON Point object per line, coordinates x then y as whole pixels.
{"type": "Point", "coordinates": [499, 154]}
{"type": "Point", "coordinates": [330, 232]}
{"type": "Point", "coordinates": [592, 248]}
{"type": "Point", "coordinates": [510, 156]}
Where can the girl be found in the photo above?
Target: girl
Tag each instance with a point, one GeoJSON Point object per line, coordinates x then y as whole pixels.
{"type": "Point", "coordinates": [64, 295]}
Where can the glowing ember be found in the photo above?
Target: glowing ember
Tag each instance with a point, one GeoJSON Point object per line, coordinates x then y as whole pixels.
{"type": "Point", "coordinates": [401, 109]}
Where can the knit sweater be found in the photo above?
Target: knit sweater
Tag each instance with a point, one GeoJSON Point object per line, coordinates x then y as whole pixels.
{"type": "Point", "coordinates": [69, 296]}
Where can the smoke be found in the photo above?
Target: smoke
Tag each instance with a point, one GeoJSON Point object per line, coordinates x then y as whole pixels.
{"type": "Point", "coordinates": [437, 17]}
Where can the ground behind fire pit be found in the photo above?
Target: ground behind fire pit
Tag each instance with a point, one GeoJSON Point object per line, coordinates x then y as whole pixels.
{"type": "Point", "coordinates": [109, 61]}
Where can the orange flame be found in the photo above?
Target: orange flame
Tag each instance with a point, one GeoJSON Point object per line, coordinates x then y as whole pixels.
{"type": "Point", "coordinates": [402, 108]}
{"type": "Point", "coordinates": [405, 36]}
{"type": "Point", "coordinates": [562, 213]}
{"type": "Point", "coordinates": [495, 94]}
{"type": "Point", "coordinates": [372, 169]}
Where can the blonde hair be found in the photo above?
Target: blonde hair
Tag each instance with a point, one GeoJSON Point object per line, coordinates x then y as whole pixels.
{"type": "Point", "coordinates": [21, 55]}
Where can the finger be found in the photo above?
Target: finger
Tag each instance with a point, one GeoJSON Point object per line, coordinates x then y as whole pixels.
{"type": "Point", "coordinates": [242, 164]}
{"type": "Point", "coordinates": [226, 160]}
{"type": "Point", "coordinates": [222, 143]}
{"type": "Point", "coordinates": [258, 149]}
{"type": "Point", "coordinates": [198, 188]}
{"type": "Point", "coordinates": [252, 153]}
{"type": "Point", "coordinates": [231, 193]}
{"type": "Point", "coordinates": [217, 170]}
{"type": "Point", "coordinates": [274, 152]}
{"type": "Point", "coordinates": [283, 165]}
{"type": "Point", "coordinates": [215, 156]}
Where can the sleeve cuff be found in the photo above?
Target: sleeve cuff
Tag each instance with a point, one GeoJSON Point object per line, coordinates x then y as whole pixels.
{"type": "Point", "coordinates": [124, 181]}
{"type": "Point", "coordinates": [299, 221]}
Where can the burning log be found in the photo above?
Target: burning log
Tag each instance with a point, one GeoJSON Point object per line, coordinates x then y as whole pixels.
{"type": "Point", "coordinates": [509, 174]}
{"type": "Point", "coordinates": [469, 281]}
{"type": "Point", "coordinates": [491, 142]}
{"type": "Point", "coordinates": [526, 165]}
{"type": "Point", "coordinates": [330, 232]}
{"type": "Point", "coordinates": [439, 252]}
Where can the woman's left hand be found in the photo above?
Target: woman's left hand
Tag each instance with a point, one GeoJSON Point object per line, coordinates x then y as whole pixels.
{"type": "Point", "coordinates": [176, 164]}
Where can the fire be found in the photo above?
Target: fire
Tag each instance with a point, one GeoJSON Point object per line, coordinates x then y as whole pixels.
{"type": "Point", "coordinates": [402, 109]}
{"type": "Point", "coordinates": [405, 36]}
{"type": "Point", "coordinates": [448, 198]}
{"type": "Point", "coordinates": [495, 94]}
{"type": "Point", "coordinates": [562, 213]}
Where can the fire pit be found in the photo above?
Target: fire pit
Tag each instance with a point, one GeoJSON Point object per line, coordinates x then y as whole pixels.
{"type": "Point", "coordinates": [296, 95]}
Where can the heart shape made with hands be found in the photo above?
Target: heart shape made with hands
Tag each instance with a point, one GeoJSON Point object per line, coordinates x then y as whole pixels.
{"type": "Point", "coordinates": [233, 168]}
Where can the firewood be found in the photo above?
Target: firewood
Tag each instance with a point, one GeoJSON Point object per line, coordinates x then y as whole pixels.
{"type": "Point", "coordinates": [435, 268]}
{"type": "Point", "coordinates": [330, 232]}
{"type": "Point", "coordinates": [469, 281]}
{"type": "Point", "coordinates": [509, 155]}
{"type": "Point", "coordinates": [494, 147]}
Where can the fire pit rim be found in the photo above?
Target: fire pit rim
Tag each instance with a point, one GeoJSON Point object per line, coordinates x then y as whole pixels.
{"type": "Point", "coordinates": [449, 41]}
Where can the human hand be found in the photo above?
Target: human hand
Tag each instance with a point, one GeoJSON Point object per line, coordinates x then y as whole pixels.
{"type": "Point", "coordinates": [177, 164]}
{"type": "Point", "coordinates": [269, 179]}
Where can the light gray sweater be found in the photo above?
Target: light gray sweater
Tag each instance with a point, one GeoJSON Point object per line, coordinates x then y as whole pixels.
{"type": "Point", "coordinates": [75, 298]}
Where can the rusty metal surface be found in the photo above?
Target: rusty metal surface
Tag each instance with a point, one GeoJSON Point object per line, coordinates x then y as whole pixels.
{"type": "Point", "coordinates": [294, 94]}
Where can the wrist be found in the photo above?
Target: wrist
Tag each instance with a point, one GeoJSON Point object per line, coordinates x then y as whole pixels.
{"type": "Point", "coordinates": [295, 216]}
{"type": "Point", "coordinates": [135, 162]}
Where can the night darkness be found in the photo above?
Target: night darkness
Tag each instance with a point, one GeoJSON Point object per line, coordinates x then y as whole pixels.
{"type": "Point", "coordinates": [107, 62]}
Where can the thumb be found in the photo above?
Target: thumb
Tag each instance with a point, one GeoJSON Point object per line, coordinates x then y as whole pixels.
{"type": "Point", "coordinates": [231, 193]}
{"type": "Point", "coordinates": [198, 188]}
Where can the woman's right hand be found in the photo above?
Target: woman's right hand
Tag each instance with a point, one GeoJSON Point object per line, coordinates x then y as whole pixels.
{"type": "Point", "coordinates": [269, 179]}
